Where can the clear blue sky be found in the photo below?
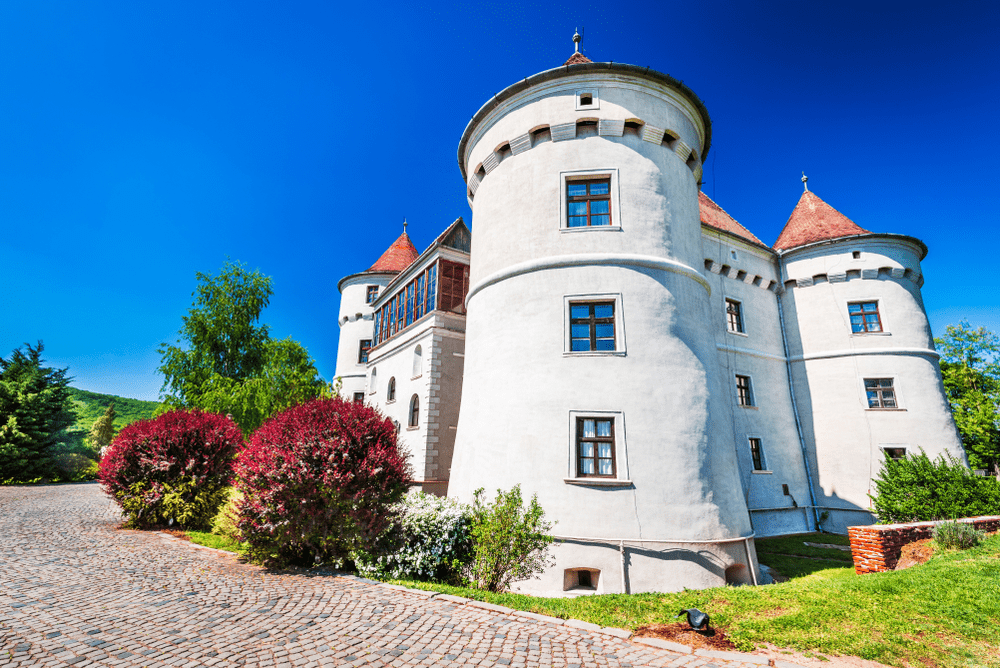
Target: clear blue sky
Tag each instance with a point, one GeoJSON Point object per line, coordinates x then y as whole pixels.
{"type": "Point", "coordinates": [141, 142]}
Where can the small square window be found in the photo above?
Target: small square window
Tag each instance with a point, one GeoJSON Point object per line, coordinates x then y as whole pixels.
{"type": "Point", "coordinates": [587, 99]}
{"type": "Point", "coordinates": [864, 317]}
{"type": "Point", "coordinates": [894, 453]}
{"type": "Point", "coordinates": [592, 326]}
{"type": "Point", "coordinates": [588, 203]}
{"type": "Point", "coordinates": [734, 316]}
{"type": "Point", "coordinates": [744, 394]}
{"type": "Point", "coordinates": [364, 345]}
{"type": "Point", "coordinates": [372, 294]}
{"type": "Point", "coordinates": [757, 455]}
{"type": "Point", "coordinates": [595, 447]}
{"type": "Point", "coordinates": [880, 393]}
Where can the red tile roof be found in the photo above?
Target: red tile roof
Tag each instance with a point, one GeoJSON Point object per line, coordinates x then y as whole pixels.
{"type": "Point", "coordinates": [577, 58]}
{"type": "Point", "coordinates": [714, 216]}
{"type": "Point", "coordinates": [814, 220]}
{"type": "Point", "coordinates": [398, 257]}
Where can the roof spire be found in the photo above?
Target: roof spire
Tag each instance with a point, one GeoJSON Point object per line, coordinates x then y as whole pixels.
{"type": "Point", "coordinates": [404, 224]}
{"type": "Point", "coordinates": [576, 40]}
{"type": "Point", "coordinates": [805, 182]}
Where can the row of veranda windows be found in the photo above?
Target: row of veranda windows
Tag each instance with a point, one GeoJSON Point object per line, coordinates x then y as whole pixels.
{"type": "Point", "coordinates": [442, 286]}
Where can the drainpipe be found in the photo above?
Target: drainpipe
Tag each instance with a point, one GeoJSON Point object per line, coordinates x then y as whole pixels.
{"type": "Point", "coordinates": [795, 411]}
{"type": "Point", "coordinates": [621, 548]}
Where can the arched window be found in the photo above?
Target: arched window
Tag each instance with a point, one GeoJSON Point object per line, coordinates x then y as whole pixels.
{"type": "Point", "coordinates": [414, 411]}
{"type": "Point", "coordinates": [418, 361]}
{"type": "Point", "coordinates": [390, 394]}
{"type": "Point", "coordinates": [371, 384]}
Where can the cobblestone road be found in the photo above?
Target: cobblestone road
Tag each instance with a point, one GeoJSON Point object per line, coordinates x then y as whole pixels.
{"type": "Point", "coordinates": [76, 591]}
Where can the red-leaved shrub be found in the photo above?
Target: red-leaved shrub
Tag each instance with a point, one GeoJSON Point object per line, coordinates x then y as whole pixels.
{"type": "Point", "coordinates": [173, 468]}
{"type": "Point", "coordinates": [317, 482]}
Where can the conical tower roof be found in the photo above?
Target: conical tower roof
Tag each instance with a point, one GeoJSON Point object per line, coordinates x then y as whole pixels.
{"type": "Point", "coordinates": [814, 220]}
{"type": "Point", "coordinates": [715, 216]}
{"type": "Point", "coordinates": [397, 257]}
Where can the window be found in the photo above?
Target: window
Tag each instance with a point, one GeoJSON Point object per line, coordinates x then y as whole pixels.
{"type": "Point", "coordinates": [364, 345]}
{"type": "Point", "coordinates": [757, 455]}
{"type": "Point", "coordinates": [359, 397]}
{"type": "Point", "coordinates": [734, 316]}
{"type": "Point", "coordinates": [418, 298]}
{"type": "Point", "coordinates": [592, 326]}
{"type": "Point", "coordinates": [588, 202]}
{"type": "Point", "coordinates": [371, 385]}
{"type": "Point", "coordinates": [372, 294]}
{"type": "Point", "coordinates": [743, 392]}
{"type": "Point", "coordinates": [418, 361]}
{"type": "Point", "coordinates": [587, 99]}
{"type": "Point", "coordinates": [894, 453]}
{"type": "Point", "coordinates": [414, 419]}
{"type": "Point", "coordinates": [880, 393]}
{"type": "Point", "coordinates": [595, 447]}
{"type": "Point", "coordinates": [864, 317]}
{"type": "Point", "coordinates": [390, 392]}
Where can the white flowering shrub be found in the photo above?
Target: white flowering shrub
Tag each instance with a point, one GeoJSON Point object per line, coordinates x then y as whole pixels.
{"type": "Point", "coordinates": [430, 540]}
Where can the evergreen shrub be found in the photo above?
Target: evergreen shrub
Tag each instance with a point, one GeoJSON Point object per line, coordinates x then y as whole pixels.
{"type": "Point", "coordinates": [172, 469]}
{"type": "Point", "coordinates": [510, 541]}
{"type": "Point", "coordinates": [430, 540]}
{"type": "Point", "coordinates": [919, 489]}
{"type": "Point", "coordinates": [318, 483]}
{"type": "Point", "coordinates": [957, 535]}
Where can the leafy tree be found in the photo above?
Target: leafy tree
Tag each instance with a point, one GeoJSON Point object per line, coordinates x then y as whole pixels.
{"type": "Point", "coordinates": [103, 430]}
{"type": "Point", "coordinates": [970, 369]}
{"type": "Point", "coordinates": [225, 362]}
{"type": "Point", "coordinates": [35, 411]}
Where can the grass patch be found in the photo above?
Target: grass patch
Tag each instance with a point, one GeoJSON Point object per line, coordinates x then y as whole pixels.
{"type": "Point", "coordinates": [218, 542]}
{"type": "Point", "coordinates": [944, 613]}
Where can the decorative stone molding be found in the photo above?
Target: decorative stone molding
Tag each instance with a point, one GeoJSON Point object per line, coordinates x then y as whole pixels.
{"type": "Point", "coordinates": [652, 134]}
{"type": "Point", "coordinates": [519, 145]}
{"type": "Point", "coordinates": [876, 548]}
{"type": "Point", "coordinates": [682, 150]}
{"type": "Point", "coordinates": [609, 128]}
{"type": "Point", "coordinates": [563, 131]}
{"type": "Point", "coordinates": [864, 274]}
{"type": "Point", "coordinates": [491, 162]}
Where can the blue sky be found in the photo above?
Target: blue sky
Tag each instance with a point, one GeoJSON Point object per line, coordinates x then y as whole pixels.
{"type": "Point", "coordinates": [142, 142]}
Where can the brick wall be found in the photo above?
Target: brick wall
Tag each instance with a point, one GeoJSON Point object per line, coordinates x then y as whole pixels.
{"type": "Point", "coordinates": [876, 548]}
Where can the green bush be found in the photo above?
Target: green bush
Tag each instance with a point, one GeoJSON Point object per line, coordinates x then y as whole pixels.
{"type": "Point", "coordinates": [184, 502]}
{"type": "Point", "coordinates": [958, 535]}
{"type": "Point", "coordinates": [510, 542]}
{"type": "Point", "coordinates": [919, 489]}
{"type": "Point", "coordinates": [430, 540]}
{"type": "Point", "coordinates": [75, 467]}
{"type": "Point", "coordinates": [224, 523]}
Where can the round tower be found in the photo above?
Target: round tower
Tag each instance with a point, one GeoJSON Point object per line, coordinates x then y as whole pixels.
{"type": "Point", "coordinates": [864, 369]}
{"type": "Point", "coordinates": [357, 293]}
{"type": "Point", "coordinates": [591, 371]}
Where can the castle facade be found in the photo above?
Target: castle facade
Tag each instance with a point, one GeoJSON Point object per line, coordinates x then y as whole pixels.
{"type": "Point", "coordinates": [613, 341]}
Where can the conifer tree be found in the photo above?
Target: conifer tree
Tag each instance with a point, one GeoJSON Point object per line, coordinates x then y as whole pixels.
{"type": "Point", "coordinates": [103, 430]}
{"type": "Point", "coordinates": [35, 411]}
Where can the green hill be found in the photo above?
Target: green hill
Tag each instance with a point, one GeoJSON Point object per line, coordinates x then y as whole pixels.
{"type": "Point", "coordinates": [91, 405]}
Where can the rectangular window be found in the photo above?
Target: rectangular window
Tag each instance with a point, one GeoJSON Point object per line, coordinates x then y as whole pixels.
{"type": "Point", "coordinates": [592, 326]}
{"type": "Point", "coordinates": [359, 397]}
{"type": "Point", "coordinates": [894, 453]}
{"type": "Point", "coordinates": [595, 447]}
{"type": "Point", "coordinates": [432, 288]}
{"type": "Point", "coordinates": [743, 392]}
{"type": "Point", "coordinates": [757, 455]}
{"type": "Point", "coordinates": [588, 203]}
{"type": "Point", "coordinates": [363, 347]}
{"type": "Point", "coordinates": [864, 317]}
{"type": "Point", "coordinates": [419, 299]}
{"type": "Point", "coordinates": [372, 294]}
{"type": "Point", "coordinates": [734, 316]}
{"type": "Point", "coordinates": [880, 393]}
{"type": "Point", "coordinates": [454, 286]}
{"type": "Point", "coordinates": [409, 304]}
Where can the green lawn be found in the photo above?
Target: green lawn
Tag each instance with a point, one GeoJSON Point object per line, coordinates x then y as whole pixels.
{"type": "Point", "coordinates": [945, 613]}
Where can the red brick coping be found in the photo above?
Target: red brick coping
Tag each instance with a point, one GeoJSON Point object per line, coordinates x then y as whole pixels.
{"type": "Point", "coordinates": [876, 548]}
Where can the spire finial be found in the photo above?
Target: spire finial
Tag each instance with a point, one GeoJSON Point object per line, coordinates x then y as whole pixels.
{"type": "Point", "coordinates": [576, 40]}
{"type": "Point", "coordinates": [805, 182]}
{"type": "Point", "coordinates": [404, 225]}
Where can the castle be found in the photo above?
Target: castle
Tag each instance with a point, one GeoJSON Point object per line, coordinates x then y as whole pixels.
{"type": "Point", "coordinates": [612, 340]}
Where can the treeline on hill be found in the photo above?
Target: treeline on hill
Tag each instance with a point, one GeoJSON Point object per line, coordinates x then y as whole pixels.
{"type": "Point", "coordinates": [89, 406]}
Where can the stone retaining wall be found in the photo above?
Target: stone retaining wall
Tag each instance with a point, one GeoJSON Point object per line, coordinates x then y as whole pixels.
{"type": "Point", "coordinates": [876, 548]}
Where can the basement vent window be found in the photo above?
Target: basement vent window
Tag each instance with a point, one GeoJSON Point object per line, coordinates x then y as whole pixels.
{"type": "Point", "coordinates": [856, 255]}
{"type": "Point", "coordinates": [585, 579]}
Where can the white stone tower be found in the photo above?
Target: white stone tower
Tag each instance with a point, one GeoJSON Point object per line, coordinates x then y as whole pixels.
{"type": "Point", "coordinates": [586, 246]}
{"type": "Point", "coordinates": [864, 369]}
{"type": "Point", "coordinates": [357, 294]}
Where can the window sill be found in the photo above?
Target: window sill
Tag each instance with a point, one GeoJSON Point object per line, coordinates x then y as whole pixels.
{"type": "Point", "coordinates": [592, 228]}
{"type": "Point", "coordinates": [886, 410]}
{"type": "Point", "coordinates": [762, 472]}
{"type": "Point", "coordinates": [749, 408]}
{"type": "Point", "coordinates": [743, 334]}
{"type": "Point", "coordinates": [862, 334]}
{"type": "Point", "coordinates": [389, 401]}
{"type": "Point", "coordinates": [598, 482]}
{"type": "Point", "coordinates": [419, 375]}
{"type": "Point", "coordinates": [413, 428]}
{"type": "Point", "coordinates": [593, 353]}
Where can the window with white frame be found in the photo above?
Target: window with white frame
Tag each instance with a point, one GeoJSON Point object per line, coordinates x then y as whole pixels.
{"type": "Point", "coordinates": [414, 415]}
{"type": "Point", "coordinates": [894, 452]}
{"type": "Point", "coordinates": [734, 316]}
{"type": "Point", "coordinates": [596, 450]}
{"type": "Point", "coordinates": [594, 325]}
{"type": "Point", "coordinates": [418, 361]}
{"type": "Point", "coordinates": [744, 392]}
{"type": "Point", "coordinates": [589, 201]}
{"type": "Point", "coordinates": [757, 454]}
{"type": "Point", "coordinates": [880, 393]}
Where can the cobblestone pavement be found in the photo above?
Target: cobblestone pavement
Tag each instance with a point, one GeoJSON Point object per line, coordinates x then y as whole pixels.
{"type": "Point", "coordinates": [74, 590]}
